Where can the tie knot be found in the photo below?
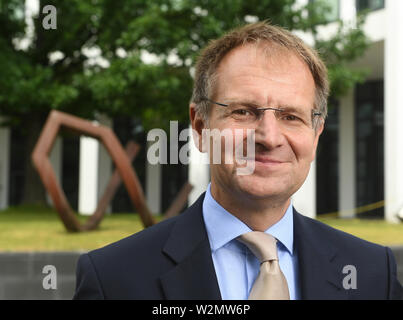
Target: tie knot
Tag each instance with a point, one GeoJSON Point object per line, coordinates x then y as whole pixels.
{"type": "Point", "coordinates": [262, 245]}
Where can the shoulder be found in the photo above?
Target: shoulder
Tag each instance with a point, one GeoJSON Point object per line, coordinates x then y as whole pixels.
{"type": "Point", "coordinates": [131, 267]}
{"type": "Point", "coordinates": [126, 269]}
{"type": "Point", "coordinates": [374, 264]}
{"type": "Point", "coordinates": [116, 270]}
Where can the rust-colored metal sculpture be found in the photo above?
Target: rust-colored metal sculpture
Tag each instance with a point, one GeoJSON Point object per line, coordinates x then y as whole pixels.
{"type": "Point", "coordinates": [105, 135]}
{"type": "Point", "coordinates": [132, 148]}
{"type": "Point", "coordinates": [124, 170]}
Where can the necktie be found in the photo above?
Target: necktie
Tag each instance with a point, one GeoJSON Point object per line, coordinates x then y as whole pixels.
{"type": "Point", "coordinates": [270, 283]}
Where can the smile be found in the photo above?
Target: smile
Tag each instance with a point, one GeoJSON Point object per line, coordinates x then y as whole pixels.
{"type": "Point", "coordinates": [267, 160]}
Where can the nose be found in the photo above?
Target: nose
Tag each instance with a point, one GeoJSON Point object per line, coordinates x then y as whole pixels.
{"type": "Point", "coordinates": [268, 131]}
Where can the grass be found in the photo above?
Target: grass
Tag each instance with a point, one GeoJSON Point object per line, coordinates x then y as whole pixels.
{"type": "Point", "coordinates": [39, 229]}
{"type": "Point", "coordinates": [378, 231]}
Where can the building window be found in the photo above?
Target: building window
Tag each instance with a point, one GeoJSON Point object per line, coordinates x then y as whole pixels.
{"type": "Point", "coordinates": [329, 7]}
{"type": "Point", "coordinates": [369, 127]}
{"type": "Point", "coordinates": [327, 163]}
{"type": "Point", "coordinates": [370, 5]}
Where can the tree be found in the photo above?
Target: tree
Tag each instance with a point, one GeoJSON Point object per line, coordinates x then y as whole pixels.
{"type": "Point", "coordinates": [56, 71]}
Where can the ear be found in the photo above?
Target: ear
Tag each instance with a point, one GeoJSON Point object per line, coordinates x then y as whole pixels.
{"type": "Point", "coordinates": [317, 135]}
{"type": "Point", "coordinates": [198, 124]}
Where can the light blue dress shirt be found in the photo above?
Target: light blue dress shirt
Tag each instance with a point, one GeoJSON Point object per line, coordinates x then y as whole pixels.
{"type": "Point", "coordinates": [235, 265]}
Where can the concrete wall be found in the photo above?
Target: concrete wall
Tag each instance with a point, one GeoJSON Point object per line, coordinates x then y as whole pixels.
{"type": "Point", "coordinates": [21, 274]}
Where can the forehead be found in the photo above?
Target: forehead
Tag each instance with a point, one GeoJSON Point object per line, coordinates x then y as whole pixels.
{"type": "Point", "coordinates": [265, 74]}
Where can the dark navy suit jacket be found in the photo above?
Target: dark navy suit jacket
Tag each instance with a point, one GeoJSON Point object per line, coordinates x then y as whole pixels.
{"type": "Point", "coordinates": [172, 260]}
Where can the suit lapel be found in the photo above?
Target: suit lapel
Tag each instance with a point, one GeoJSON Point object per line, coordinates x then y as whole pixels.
{"type": "Point", "coordinates": [320, 278]}
{"type": "Point", "coordinates": [193, 276]}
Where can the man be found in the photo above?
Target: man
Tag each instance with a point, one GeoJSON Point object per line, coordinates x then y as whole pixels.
{"type": "Point", "coordinates": [263, 78]}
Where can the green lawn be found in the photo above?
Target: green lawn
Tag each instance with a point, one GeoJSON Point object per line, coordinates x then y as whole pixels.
{"type": "Point", "coordinates": [378, 231]}
{"type": "Point", "coordinates": [38, 229]}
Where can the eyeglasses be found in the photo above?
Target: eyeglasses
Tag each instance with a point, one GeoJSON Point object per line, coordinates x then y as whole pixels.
{"type": "Point", "coordinates": [289, 117]}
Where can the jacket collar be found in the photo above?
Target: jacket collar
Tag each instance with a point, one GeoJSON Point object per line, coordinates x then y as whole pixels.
{"type": "Point", "coordinates": [194, 276]}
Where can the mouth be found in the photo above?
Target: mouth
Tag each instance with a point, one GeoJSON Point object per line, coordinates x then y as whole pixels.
{"type": "Point", "coordinates": [267, 160]}
{"type": "Point", "coordinates": [264, 166]}
{"type": "Point", "coordinates": [263, 162]}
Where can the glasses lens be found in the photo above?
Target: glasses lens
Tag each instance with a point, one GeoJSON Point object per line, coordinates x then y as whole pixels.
{"type": "Point", "coordinates": [243, 113]}
{"type": "Point", "coordinates": [294, 118]}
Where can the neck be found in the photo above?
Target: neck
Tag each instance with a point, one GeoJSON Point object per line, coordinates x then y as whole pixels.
{"type": "Point", "coordinates": [257, 214]}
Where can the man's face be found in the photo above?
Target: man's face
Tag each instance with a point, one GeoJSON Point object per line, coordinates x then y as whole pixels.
{"type": "Point", "coordinates": [282, 156]}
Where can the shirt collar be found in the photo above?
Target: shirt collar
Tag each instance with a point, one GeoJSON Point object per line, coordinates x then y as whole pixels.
{"type": "Point", "coordinates": [223, 227]}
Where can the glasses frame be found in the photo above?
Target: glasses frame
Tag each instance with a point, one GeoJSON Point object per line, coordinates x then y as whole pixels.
{"type": "Point", "coordinates": [262, 110]}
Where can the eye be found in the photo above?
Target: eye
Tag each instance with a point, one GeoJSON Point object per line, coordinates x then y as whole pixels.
{"type": "Point", "coordinates": [242, 112]}
{"type": "Point", "coordinates": [291, 117]}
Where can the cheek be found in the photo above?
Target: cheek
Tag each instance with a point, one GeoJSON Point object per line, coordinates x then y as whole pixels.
{"type": "Point", "coordinates": [303, 147]}
{"type": "Point", "coordinates": [226, 139]}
